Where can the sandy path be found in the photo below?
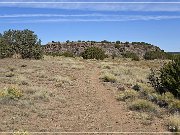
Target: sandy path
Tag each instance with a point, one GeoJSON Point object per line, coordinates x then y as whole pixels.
{"type": "Point", "coordinates": [111, 115]}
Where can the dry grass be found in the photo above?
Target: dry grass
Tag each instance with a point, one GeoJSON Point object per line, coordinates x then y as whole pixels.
{"type": "Point", "coordinates": [62, 79]}
{"type": "Point", "coordinates": [174, 123]}
{"type": "Point", "coordinates": [126, 72]}
{"type": "Point", "coordinates": [41, 95]}
{"type": "Point", "coordinates": [143, 105]}
{"type": "Point", "coordinates": [127, 94]}
{"type": "Point", "coordinates": [174, 105]}
{"type": "Point", "coordinates": [66, 62]}
{"type": "Point", "coordinates": [130, 75]}
{"type": "Point", "coordinates": [22, 80]}
{"type": "Point", "coordinates": [144, 116]}
{"type": "Point", "coordinates": [41, 74]}
{"type": "Point", "coordinates": [77, 66]}
{"type": "Point", "coordinates": [108, 77]}
{"type": "Point", "coordinates": [27, 71]}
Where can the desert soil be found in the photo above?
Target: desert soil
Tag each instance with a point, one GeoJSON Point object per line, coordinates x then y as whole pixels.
{"type": "Point", "coordinates": [85, 104]}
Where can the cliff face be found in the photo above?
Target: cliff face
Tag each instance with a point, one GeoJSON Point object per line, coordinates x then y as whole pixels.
{"type": "Point", "coordinates": [109, 48]}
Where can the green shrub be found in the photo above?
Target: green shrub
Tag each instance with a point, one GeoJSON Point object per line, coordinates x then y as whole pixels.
{"type": "Point", "coordinates": [131, 55]}
{"type": "Point", "coordinates": [167, 79]}
{"type": "Point", "coordinates": [34, 52]}
{"type": "Point", "coordinates": [37, 52]}
{"type": "Point", "coordinates": [155, 81]}
{"type": "Point", "coordinates": [23, 42]}
{"type": "Point", "coordinates": [151, 55]}
{"type": "Point", "coordinates": [142, 105]}
{"type": "Point", "coordinates": [11, 92]}
{"type": "Point", "coordinates": [170, 77]}
{"type": "Point", "coordinates": [118, 42]}
{"type": "Point", "coordinates": [93, 53]}
{"type": "Point", "coordinates": [5, 51]}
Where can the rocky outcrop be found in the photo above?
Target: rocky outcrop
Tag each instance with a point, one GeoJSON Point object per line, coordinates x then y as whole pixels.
{"type": "Point", "coordinates": [110, 48]}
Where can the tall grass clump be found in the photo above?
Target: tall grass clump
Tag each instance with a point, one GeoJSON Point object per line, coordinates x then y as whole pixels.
{"type": "Point", "coordinates": [174, 123]}
{"type": "Point", "coordinates": [142, 105]}
{"type": "Point", "coordinates": [108, 77]}
{"type": "Point", "coordinates": [127, 94]}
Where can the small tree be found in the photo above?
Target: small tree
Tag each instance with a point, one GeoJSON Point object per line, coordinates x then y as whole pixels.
{"type": "Point", "coordinates": [93, 53]}
{"type": "Point", "coordinates": [105, 41]}
{"type": "Point", "coordinates": [23, 42]}
{"type": "Point", "coordinates": [167, 79]}
{"type": "Point", "coordinates": [67, 41]}
{"type": "Point", "coordinates": [170, 77]}
{"type": "Point", "coordinates": [118, 42]}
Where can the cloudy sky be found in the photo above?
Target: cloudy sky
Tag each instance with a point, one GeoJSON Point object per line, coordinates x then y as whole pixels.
{"type": "Point", "coordinates": [152, 21]}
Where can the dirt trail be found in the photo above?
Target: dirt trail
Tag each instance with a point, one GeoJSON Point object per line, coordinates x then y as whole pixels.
{"type": "Point", "coordinates": [113, 115]}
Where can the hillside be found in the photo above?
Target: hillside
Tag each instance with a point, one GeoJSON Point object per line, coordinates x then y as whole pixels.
{"type": "Point", "coordinates": [110, 48]}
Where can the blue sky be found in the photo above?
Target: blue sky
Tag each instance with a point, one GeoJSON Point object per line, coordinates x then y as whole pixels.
{"type": "Point", "coordinates": [153, 22]}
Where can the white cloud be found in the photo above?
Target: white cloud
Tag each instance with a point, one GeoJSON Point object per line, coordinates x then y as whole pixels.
{"type": "Point", "coordinates": [89, 5]}
{"type": "Point", "coordinates": [49, 15]}
{"type": "Point", "coordinates": [45, 18]}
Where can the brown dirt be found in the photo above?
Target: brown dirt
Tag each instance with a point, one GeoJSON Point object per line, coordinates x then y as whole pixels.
{"type": "Point", "coordinates": [86, 105]}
